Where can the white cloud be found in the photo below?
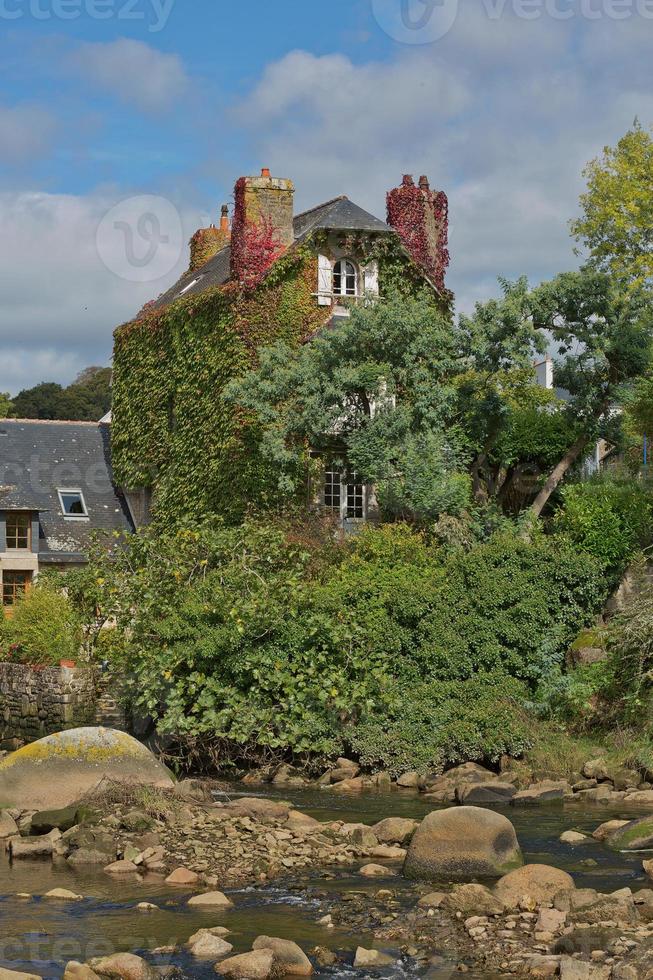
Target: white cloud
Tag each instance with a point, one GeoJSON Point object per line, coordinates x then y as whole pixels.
{"type": "Point", "coordinates": [25, 133]}
{"type": "Point", "coordinates": [135, 72]}
{"type": "Point", "coordinates": [60, 303]}
{"type": "Point", "coordinates": [502, 114]}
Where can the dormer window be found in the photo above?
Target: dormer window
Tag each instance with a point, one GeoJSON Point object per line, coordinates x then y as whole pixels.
{"type": "Point", "coordinates": [345, 278]}
{"type": "Point", "coordinates": [18, 531]}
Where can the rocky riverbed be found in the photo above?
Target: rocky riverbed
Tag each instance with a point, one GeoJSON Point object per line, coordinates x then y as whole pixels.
{"type": "Point", "coordinates": [195, 878]}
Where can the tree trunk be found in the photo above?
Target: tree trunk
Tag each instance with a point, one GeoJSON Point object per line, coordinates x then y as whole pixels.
{"type": "Point", "coordinates": [557, 474]}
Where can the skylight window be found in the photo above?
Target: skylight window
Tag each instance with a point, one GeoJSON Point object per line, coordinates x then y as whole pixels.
{"type": "Point", "coordinates": [72, 503]}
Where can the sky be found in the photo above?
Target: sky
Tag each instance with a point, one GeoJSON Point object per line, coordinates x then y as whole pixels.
{"type": "Point", "coordinates": [124, 125]}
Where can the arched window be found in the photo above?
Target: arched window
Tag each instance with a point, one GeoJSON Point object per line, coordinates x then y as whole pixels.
{"type": "Point", "coordinates": [345, 278]}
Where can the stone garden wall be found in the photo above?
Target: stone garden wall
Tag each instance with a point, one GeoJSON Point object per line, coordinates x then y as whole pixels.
{"type": "Point", "coordinates": [36, 701]}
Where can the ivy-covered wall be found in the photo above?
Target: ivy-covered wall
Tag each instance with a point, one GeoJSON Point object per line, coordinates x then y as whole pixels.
{"type": "Point", "coordinates": [172, 430]}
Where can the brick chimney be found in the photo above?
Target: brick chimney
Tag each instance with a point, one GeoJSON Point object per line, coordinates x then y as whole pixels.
{"type": "Point", "coordinates": [207, 242]}
{"type": "Point", "coordinates": [421, 218]}
{"type": "Point", "coordinates": [262, 227]}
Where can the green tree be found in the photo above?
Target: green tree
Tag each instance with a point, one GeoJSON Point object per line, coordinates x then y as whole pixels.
{"type": "Point", "coordinates": [602, 337]}
{"type": "Point", "coordinates": [616, 223]}
{"type": "Point", "coordinates": [6, 405]}
{"type": "Point", "coordinates": [87, 399]}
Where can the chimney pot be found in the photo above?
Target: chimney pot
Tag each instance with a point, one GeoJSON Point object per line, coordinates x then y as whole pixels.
{"type": "Point", "coordinates": [424, 183]}
{"type": "Point", "coordinates": [265, 172]}
{"type": "Point", "coordinates": [408, 180]}
{"type": "Point", "coordinates": [224, 219]}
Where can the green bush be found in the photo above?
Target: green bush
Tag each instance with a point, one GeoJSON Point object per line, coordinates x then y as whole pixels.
{"type": "Point", "coordinates": [432, 724]}
{"type": "Point", "coordinates": [609, 518]}
{"type": "Point", "coordinates": [260, 638]}
{"type": "Point", "coordinates": [44, 628]}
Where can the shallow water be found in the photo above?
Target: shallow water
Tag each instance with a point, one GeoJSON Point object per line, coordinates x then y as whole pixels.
{"type": "Point", "coordinates": [41, 936]}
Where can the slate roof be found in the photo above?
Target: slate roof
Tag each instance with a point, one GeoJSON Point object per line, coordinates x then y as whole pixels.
{"type": "Point", "coordinates": [338, 214]}
{"type": "Point", "coordinates": [39, 457]}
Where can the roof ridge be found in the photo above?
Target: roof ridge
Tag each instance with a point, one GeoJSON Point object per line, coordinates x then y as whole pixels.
{"type": "Point", "coordinates": [325, 204]}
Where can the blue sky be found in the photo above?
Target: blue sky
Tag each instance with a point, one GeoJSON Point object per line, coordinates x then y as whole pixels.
{"type": "Point", "coordinates": [500, 102]}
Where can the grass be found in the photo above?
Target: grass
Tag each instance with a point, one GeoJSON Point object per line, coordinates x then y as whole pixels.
{"type": "Point", "coordinates": [160, 804]}
{"type": "Point", "coordinates": [563, 755]}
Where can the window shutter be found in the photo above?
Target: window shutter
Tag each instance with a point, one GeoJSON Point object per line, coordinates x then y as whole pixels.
{"type": "Point", "coordinates": [324, 281]}
{"type": "Point", "coordinates": [371, 273]}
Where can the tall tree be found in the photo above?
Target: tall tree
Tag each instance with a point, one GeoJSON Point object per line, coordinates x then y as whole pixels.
{"type": "Point", "coordinates": [6, 405]}
{"type": "Point", "coordinates": [616, 223]}
{"type": "Point", "coordinates": [87, 399]}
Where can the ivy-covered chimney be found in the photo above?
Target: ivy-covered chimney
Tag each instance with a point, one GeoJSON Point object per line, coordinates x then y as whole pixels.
{"type": "Point", "coordinates": [207, 242]}
{"type": "Point", "coordinates": [421, 218]}
{"type": "Point", "coordinates": [262, 226]}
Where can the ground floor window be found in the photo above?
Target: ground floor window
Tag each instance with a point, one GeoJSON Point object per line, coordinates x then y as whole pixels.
{"type": "Point", "coordinates": [14, 585]}
{"type": "Point", "coordinates": [344, 494]}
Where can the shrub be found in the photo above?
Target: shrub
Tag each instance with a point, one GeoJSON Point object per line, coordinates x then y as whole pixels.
{"type": "Point", "coordinates": [509, 605]}
{"type": "Point", "coordinates": [246, 639]}
{"type": "Point", "coordinates": [436, 723]}
{"type": "Point", "coordinates": [44, 628]}
{"type": "Point", "coordinates": [609, 518]}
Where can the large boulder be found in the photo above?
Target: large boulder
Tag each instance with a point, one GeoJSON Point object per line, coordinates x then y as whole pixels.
{"type": "Point", "coordinates": [537, 881]}
{"type": "Point", "coordinates": [289, 957]}
{"type": "Point", "coordinates": [460, 843]}
{"type": "Point", "coordinates": [59, 769]}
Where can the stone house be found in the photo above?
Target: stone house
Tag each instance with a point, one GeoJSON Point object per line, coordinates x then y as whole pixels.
{"type": "Point", "coordinates": [56, 488]}
{"type": "Point", "coordinates": [265, 274]}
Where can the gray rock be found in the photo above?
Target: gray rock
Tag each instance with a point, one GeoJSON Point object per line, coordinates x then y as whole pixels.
{"type": "Point", "coordinates": [491, 792]}
{"type": "Point", "coordinates": [76, 761]}
{"type": "Point", "coordinates": [288, 956]}
{"type": "Point", "coordinates": [460, 843]}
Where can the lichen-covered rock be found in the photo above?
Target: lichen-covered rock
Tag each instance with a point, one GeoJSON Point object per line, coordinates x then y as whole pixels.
{"type": "Point", "coordinates": [462, 842]}
{"type": "Point", "coordinates": [537, 881]}
{"type": "Point", "coordinates": [636, 835]}
{"type": "Point", "coordinates": [59, 769]}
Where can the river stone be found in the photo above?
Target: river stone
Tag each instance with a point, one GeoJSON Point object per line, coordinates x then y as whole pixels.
{"type": "Point", "coordinates": [46, 820]}
{"type": "Point", "coordinates": [491, 792]}
{"type": "Point", "coordinates": [124, 966]}
{"type": "Point", "coordinates": [637, 835]}
{"type": "Point", "coordinates": [472, 900]}
{"type": "Point", "coordinates": [375, 871]}
{"type": "Point", "coordinates": [25, 847]}
{"type": "Point", "coordinates": [257, 965]}
{"type": "Point", "coordinates": [205, 945]}
{"type": "Point", "coordinates": [571, 969]}
{"type": "Point", "coordinates": [8, 826]}
{"type": "Point", "coordinates": [60, 769]}
{"type": "Point", "coordinates": [462, 842]}
{"type": "Point", "coordinates": [79, 971]}
{"type": "Point", "coordinates": [394, 830]}
{"type": "Point", "coordinates": [372, 957]}
{"type": "Point", "coordinates": [288, 956]}
{"type": "Point", "coordinates": [182, 876]}
{"type": "Point", "coordinates": [604, 830]}
{"type": "Point", "coordinates": [258, 809]}
{"type": "Point", "coordinates": [121, 868]}
{"type": "Point", "coordinates": [62, 895]}
{"type": "Point", "coordinates": [537, 881]}
{"type": "Point", "coordinates": [211, 900]}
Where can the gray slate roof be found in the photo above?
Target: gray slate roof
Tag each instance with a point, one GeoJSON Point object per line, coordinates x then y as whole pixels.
{"type": "Point", "coordinates": [39, 457]}
{"type": "Point", "coordinates": [339, 214]}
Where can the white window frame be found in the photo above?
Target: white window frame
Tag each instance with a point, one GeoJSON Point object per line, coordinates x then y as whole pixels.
{"type": "Point", "coordinates": [72, 517]}
{"type": "Point", "coordinates": [343, 275]}
{"type": "Point", "coordinates": [347, 481]}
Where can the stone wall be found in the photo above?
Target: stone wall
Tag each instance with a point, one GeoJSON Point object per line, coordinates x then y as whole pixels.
{"type": "Point", "coordinates": [36, 701]}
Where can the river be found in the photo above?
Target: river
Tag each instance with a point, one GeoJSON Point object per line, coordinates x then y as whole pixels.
{"type": "Point", "coordinates": [40, 936]}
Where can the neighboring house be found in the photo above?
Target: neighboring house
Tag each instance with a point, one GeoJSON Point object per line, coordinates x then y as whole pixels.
{"type": "Point", "coordinates": [268, 274]}
{"type": "Point", "coordinates": [55, 489]}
